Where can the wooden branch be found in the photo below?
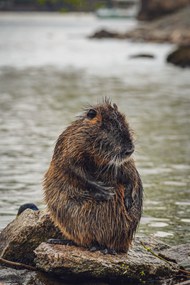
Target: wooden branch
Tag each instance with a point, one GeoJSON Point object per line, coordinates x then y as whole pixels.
{"type": "Point", "coordinates": [17, 265]}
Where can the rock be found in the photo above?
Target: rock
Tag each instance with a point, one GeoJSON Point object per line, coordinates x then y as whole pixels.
{"type": "Point", "coordinates": [179, 254]}
{"type": "Point", "coordinates": [24, 234]}
{"type": "Point", "coordinates": [101, 34]}
{"type": "Point", "coordinates": [23, 241]}
{"type": "Point", "coordinates": [151, 9]}
{"type": "Point", "coordinates": [76, 263]}
{"type": "Point", "coordinates": [142, 55]}
{"type": "Point", "coordinates": [180, 57]}
{"type": "Point", "coordinates": [174, 28]}
{"type": "Point", "coordinates": [12, 276]}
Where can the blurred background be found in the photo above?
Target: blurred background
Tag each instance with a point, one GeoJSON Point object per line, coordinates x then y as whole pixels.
{"type": "Point", "coordinates": [56, 56]}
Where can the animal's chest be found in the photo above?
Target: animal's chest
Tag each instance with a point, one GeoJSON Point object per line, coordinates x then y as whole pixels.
{"type": "Point", "coordinates": [117, 205]}
{"type": "Point", "coordinates": [112, 210]}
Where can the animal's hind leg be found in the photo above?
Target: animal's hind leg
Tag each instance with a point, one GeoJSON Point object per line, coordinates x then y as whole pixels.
{"type": "Point", "coordinates": [60, 241]}
{"type": "Point", "coordinates": [102, 249]}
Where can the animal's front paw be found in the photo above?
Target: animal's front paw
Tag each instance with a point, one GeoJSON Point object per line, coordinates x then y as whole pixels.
{"type": "Point", "coordinates": [100, 191]}
{"type": "Point", "coordinates": [101, 196]}
{"type": "Point", "coordinates": [103, 192]}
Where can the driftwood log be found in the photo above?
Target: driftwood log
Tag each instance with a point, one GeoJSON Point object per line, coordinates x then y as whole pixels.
{"type": "Point", "coordinates": [148, 260]}
{"type": "Point", "coordinates": [23, 242]}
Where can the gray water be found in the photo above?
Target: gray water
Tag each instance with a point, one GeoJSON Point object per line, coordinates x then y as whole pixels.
{"type": "Point", "coordinates": [49, 70]}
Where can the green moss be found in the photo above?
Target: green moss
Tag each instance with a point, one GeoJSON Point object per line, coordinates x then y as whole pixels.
{"type": "Point", "coordinates": [77, 4]}
{"type": "Point", "coordinates": [142, 273]}
{"type": "Point", "coordinates": [99, 5]}
{"type": "Point", "coordinates": [125, 267]}
{"type": "Point", "coordinates": [63, 10]}
{"type": "Point", "coordinates": [43, 2]}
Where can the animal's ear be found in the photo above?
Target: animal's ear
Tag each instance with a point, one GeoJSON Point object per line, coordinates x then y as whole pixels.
{"type": "Point", "coordinates": [115, 107]}
{"type": "Point", "coordinates": [107, 100]}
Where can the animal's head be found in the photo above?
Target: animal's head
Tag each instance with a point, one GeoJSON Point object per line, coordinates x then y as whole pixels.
{"type": "Point", "coordinates": [107, 133]}
{"type": "Point", "coordinates": [102, 133]}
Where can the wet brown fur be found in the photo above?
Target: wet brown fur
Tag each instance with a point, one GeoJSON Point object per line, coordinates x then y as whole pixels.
{"type": "Point", "coordinates": [85, 153]}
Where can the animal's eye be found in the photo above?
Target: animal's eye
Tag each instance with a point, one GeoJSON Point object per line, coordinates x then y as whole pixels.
{"type": "Point", "coordinates": [91, 114]}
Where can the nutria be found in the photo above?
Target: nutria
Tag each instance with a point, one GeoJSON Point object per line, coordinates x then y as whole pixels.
{"type": "Point", "coordinates": [92, 188]}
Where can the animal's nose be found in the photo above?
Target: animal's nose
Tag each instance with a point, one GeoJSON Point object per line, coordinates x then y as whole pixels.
{"type": "Point", "coordinates": [128, 151]}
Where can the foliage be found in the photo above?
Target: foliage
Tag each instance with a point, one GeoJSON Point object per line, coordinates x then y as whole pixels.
{"type": "Point", "coordinates": [66, 5]}
{"type": "Point", "coordinates": [52, 5]}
